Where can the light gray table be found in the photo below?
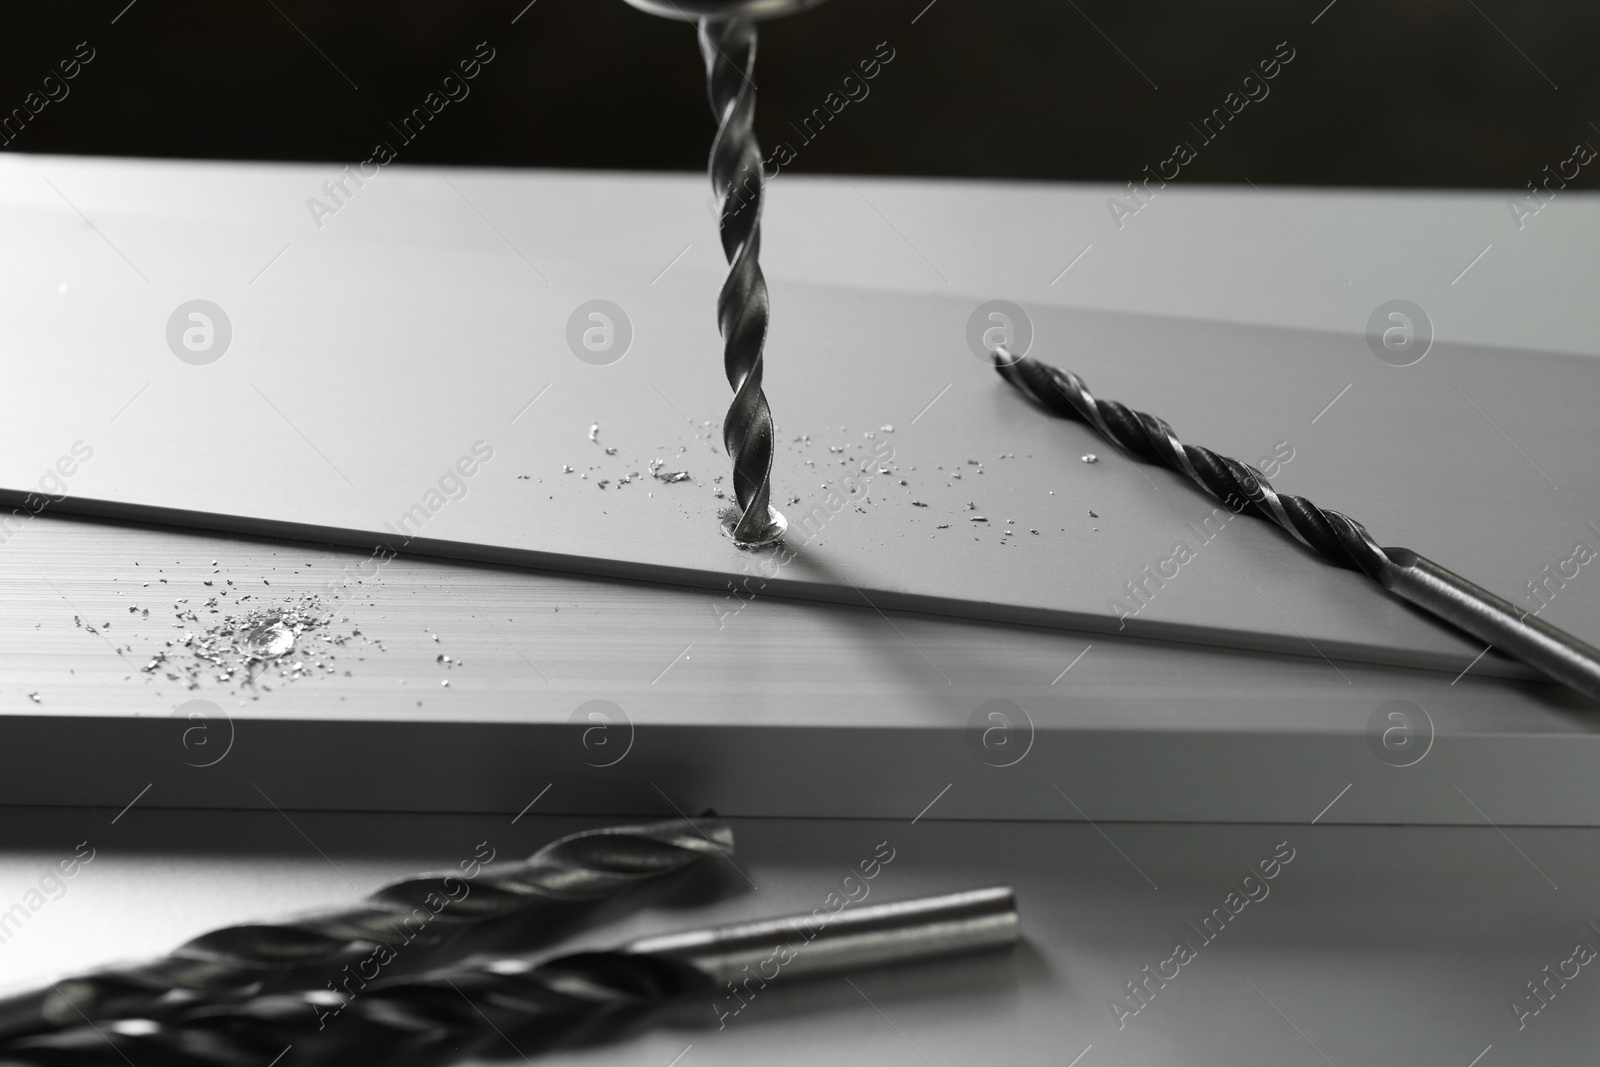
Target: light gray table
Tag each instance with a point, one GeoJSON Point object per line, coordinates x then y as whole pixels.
{"type": "Point", "coordinates": [824, 728]}
{"type": "Point", "coordinates": [1373, 945]}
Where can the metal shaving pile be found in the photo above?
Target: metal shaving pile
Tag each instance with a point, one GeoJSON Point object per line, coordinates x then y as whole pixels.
{"type": "Point", "coordinates": [288, 640]}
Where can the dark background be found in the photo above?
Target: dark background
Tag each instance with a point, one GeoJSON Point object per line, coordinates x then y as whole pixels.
{"type": "Point", "coordinates": [1415, 93]}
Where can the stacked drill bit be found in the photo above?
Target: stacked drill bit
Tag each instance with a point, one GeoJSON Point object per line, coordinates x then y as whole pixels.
{"type": "Point", "coordinates": [558, 1002]}
{"type": "Point", "coordinates": [1334, 536]}
{"type": "Point", "coordinates": [537, 1006]}
{"type": "Point", "coordinates": [249, 959]}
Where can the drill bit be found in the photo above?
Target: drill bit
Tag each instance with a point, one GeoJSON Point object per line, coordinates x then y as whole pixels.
{"type": "Point", "coordinates": [237, 960]}
{"type": "Point", "coordinates": [729, 48]}
{"type": "Point", "coordinates": [546, 1004]}
{"type": "Point", "coordinates": [727, 32]}
{"type": "Point", "coordinates": [1334, 536]}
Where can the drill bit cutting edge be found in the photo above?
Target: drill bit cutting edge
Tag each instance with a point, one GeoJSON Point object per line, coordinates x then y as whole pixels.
{"type": "Point", "coordinates": [728, 46]}
{"type": "Point", "coordinates": [1334, 536]}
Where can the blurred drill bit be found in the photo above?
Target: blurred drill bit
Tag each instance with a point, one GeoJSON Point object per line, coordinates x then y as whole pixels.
{"type": "Point", "coordinates": [241, 960]}
{"type": "Point", "coordinates": [1334, 536]}
{"type": "Point", "coordinates": [583, 995]}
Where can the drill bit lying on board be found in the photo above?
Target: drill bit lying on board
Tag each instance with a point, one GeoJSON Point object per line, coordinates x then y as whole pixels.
{"type": "Point", "coordinates": [242, 960]}
{"type": "Point", "coordinates": [583, 995]}
{"type": "Point", "coordinates": [1334, 536]}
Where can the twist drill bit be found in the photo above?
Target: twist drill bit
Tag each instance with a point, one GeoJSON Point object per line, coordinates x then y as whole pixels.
{"type": "Point", "coordinates": [545, 1004]}
{"type": "Point", "coordinates": [586, 866]}
{"type": "Point", "coordinates": [728, 46]}
{"type": "Point", "coordinates": [1334, 536]}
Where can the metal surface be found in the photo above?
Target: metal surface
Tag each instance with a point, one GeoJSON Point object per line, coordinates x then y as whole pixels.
{"type": "Point", "coordinates": [586, 866]}
{"type": "Point", "coordinates": [785, 708]}
{"type": "Point", "coordinates": [360, 379]}
{"type": "Point", "coordinates": [560, 999]}
{"type": "Point", "coordinates": [1335, 536]}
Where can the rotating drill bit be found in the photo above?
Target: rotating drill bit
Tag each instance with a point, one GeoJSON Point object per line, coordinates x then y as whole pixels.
{"type": "Point", "coordinates": [246, 959]}
{"type": "Point", "coordinates": [1334, 536]}
{"type": "Point", "coordinates": [546, 1004]}
{"type": "Point", "coordinates": [728, 46]}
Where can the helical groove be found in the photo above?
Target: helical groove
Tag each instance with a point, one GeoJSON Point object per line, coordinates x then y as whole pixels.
{"type": "Point", "coordinates": [729, 49]}
{"type": "Point", "coordinates": [257, 958]}
{"type": "Point", "coordinates": [1241, 488]}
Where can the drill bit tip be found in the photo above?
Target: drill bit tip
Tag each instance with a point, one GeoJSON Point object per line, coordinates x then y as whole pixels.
{"type": "Point", "coordinates": [760, 537]}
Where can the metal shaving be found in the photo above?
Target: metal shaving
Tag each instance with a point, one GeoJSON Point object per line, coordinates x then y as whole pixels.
{"type": "Point", "coordinates": [288, 640]}
{"type": "Point", "coordinates": [666, 476]}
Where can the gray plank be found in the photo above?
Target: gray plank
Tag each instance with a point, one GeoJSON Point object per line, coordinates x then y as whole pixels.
{"type": "Point", "coordinates": [344, 421]}
{"type": "Point", "coordinates": [783, 708]}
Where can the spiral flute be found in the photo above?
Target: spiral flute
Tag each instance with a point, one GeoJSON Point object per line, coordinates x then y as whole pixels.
{"type": "Point", "coordinates": [542, 1004]}
{"type": "Point", "coordinates": [1334, 536]}
{"type": "Point", "coordinates": [247, 959]}
{"type": "Point", "coordinates": [546, 1004]}
{"type": "Point", "coordinates": [729, 48]}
